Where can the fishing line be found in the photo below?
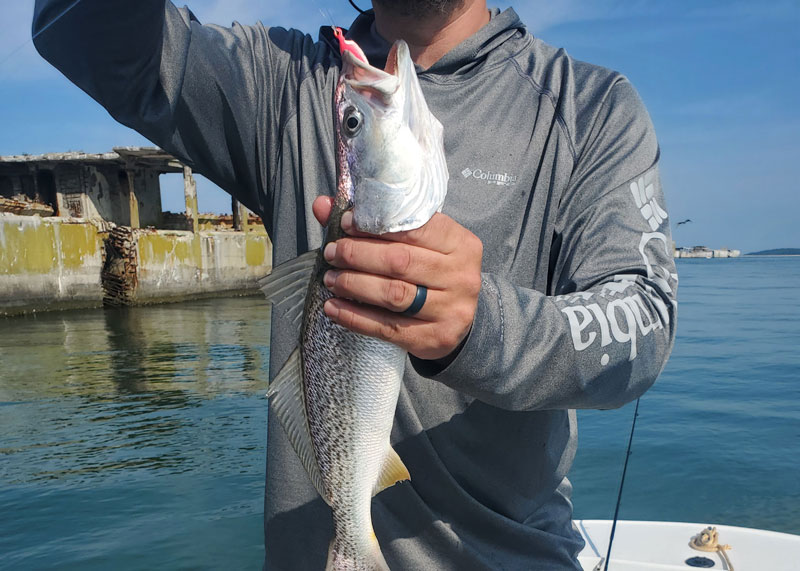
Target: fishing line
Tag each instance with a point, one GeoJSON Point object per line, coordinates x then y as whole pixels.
{"type": "Point", "coordinates": [621, 483]}
{"type": "Point", "coordinates": [37, 34]}
{"type": "Point", "coordinates": [326, 15]}
{"type": "Point", "coordinates": [16, 50]}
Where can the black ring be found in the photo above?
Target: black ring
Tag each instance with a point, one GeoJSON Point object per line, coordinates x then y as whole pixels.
{"type": "Point", "coordinates": [419, 301]}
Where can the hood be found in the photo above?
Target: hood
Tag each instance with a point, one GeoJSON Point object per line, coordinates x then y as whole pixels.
{"type": "Point", "coordinates": [488, 45]}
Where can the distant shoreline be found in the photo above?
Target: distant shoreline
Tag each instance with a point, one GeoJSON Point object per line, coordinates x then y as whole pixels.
{"type": "Point", "coordinates": [776, 252]}
{"type": "Point", "coordinates": [755, 255]}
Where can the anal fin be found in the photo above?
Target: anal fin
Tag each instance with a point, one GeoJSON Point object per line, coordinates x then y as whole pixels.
{"type": "Point", "coordinates": [392, 472]}
{"type": "Point", "coordinates": [288, 403]}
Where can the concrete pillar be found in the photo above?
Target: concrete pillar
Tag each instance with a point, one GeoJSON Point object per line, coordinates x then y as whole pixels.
{"type": "Point", "coordinates": [240, 215]}
{"type": "Point", "coordinates": [190, 196]}
{"type": "Point", "coordinates": [132, 201]}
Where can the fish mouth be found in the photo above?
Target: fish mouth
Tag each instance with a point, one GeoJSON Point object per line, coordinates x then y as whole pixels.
{"type": "Point", "coordinates": [385, 82]}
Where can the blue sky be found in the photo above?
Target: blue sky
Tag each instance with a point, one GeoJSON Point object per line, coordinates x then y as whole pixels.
{"type": "Point", "coordinates": [721, 81]}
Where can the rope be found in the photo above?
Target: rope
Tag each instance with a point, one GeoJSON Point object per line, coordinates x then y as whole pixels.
{"type": "Point", "coordinates": [621, 483]}
{"type": "Point", "coordinates": [708, 540]}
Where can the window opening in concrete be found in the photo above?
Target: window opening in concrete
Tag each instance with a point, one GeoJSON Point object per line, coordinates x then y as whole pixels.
{"type": "Point", "coordinates": [173, 202]}
{"type": "Point", "coordinates": [46, 187]}
{"type": "Point", "coordinates": [211, 199]}
{"type": "Point", "coordinates": [6, 187]}
{"type": "Point", "coordinates": [28, 187]}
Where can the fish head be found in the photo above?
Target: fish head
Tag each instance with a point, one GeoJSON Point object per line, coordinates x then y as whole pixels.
{"type": "Point", "coordinates": [391, 149]}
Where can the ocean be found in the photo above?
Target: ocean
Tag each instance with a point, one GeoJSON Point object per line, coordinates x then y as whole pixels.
{"type": "Point", "coordinates": [135, 438]}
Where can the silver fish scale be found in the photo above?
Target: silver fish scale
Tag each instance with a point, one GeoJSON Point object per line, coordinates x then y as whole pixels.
{"type": "Point", "coordinates": [351, 383]}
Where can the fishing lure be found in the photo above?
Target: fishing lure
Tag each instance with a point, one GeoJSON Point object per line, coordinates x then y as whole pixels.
{"type": "Point", "coordinates": [346, 45]}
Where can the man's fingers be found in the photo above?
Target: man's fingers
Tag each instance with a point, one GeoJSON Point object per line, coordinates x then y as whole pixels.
{"type": "Point", "coordinates": [388, 293]}
{"type": "Point", "coordinates": [418, 337]}
{"type": "Point", "coordinates": [441, 233]}
{"type": "Point", "coordinates": [322, 207]}
{"type": "Point", "coordinates": [394, 260]}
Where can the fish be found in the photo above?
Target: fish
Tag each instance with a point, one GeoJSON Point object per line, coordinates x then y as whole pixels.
{"type": "Point", "coordinates": [337, 392]}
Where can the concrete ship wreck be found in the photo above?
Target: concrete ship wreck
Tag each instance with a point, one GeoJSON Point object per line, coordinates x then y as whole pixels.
{"type": "Point", "coordinates": [84, 230]}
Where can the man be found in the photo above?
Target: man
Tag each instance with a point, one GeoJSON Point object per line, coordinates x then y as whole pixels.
{"type": "Point", "coordinates": [554, 284]}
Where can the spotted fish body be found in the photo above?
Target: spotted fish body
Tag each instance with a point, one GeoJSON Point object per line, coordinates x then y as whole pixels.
{"type": "Point", "coordinates": [337, 393]}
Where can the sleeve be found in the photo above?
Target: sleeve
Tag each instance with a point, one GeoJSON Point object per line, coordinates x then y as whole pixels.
{"type": "Point", "coordinates": [212, 96]}
{"type": "Point", "coordinates": [604, 335]}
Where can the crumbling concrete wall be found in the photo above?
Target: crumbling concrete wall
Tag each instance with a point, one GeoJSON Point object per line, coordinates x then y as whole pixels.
{"type": "Point", "coordinates": [181, 264]}
{"type": "Point", "coordinates": [56, 263]}
{"type": "Point", "coordinates": [48, 263]}
{"type": "Point", "coordinates": [105, 190]}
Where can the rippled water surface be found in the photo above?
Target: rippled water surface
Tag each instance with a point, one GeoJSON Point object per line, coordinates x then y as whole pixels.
{"type": "Point", "coordinates": [133, 439]}
{"type": "Point", "coordinates": [718, 436]}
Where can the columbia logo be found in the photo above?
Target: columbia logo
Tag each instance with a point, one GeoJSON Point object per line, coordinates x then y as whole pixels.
{"type": "Point", "coordinates": [489, 177]}
{"type": "Point", "coordinates": [643, 191]}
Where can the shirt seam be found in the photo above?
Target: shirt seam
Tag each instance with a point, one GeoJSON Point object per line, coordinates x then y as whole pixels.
{"type": "Point", "coordinates": [553, 101]}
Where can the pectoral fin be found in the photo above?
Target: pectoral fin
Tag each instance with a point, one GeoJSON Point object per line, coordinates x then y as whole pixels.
{"type": "Point", "coordinates": [393, 471]}
{"type": "Point", "coordinates": [287, 285]}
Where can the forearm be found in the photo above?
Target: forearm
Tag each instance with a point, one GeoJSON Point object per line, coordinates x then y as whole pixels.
{"type": "Point", "coordinates": [599, 348]}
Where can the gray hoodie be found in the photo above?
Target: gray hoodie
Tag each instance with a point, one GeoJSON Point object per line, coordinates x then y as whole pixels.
{"type": "Point", "coordinates": [553, 164]}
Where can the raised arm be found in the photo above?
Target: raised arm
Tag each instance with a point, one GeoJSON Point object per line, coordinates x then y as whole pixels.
{"type": "Point", "coordinates": [212, 96]}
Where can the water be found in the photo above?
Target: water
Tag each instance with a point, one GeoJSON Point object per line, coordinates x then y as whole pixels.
{"type": "Point", "coordinates": [718, 436]}
{"type": "Point", "coordinates": [135, 439]}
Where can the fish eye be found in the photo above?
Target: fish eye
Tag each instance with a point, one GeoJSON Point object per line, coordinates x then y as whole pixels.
{"type": "Point", "coordinates": [352, 121]}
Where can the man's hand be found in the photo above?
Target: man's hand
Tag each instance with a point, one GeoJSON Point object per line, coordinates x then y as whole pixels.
{"type": "Point", "coordinates": [377, 276]}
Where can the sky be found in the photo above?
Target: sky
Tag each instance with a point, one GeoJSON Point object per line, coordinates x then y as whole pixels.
{"type": "Point", "coordinates": [721, 80]}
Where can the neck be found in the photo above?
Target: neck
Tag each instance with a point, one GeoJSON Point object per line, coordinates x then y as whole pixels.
{"type": "Point", "coordinates": [431, 37]}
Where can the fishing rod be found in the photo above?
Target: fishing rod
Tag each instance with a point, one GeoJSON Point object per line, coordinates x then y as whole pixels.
{"type": "Point", "coordinates": [619, 494]}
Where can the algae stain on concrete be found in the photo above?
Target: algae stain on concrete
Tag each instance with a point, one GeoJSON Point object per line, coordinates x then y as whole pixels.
{"type": "Point", "coordinates": [28, 248]}
{"type": "Point", "coordinates": [79, 242]}
{"type": "Point", "coordinates": [255, 251]}
{"type": "Point", "coordinates": [157, 249]}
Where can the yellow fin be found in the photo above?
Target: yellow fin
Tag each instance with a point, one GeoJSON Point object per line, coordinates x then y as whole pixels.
{"type": "Point", "coordinates": [393, 471]}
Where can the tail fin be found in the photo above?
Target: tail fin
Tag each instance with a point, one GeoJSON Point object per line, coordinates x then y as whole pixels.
{"type": "Point", "coordinates": [346, 558]}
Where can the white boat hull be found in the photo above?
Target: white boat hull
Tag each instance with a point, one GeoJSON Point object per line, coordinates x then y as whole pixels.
{"type": "Point", "coordinates": [664, 546]}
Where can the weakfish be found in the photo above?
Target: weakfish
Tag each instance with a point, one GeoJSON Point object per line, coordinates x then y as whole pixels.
{"type": "Point", "coordinates": [336, 394]}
